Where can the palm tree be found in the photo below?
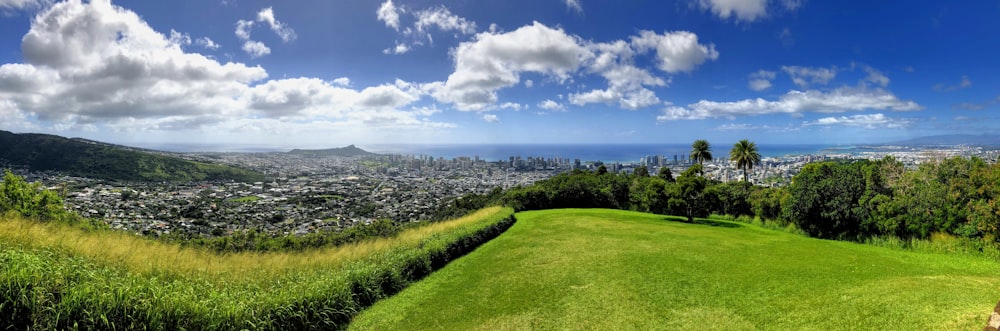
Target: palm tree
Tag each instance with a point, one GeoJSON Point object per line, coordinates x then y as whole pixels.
{"type": "Point", "coordinates": [701, 151]}
{"type": "Point", "coordinates": [744, 153]}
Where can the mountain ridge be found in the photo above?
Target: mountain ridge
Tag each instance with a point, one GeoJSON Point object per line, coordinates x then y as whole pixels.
{"type": "Point", "coordinates": [98, 160]}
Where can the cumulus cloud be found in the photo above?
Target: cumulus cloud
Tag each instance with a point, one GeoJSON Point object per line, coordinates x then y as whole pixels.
{"type": "Point", "coordinates": [389, 14]}
{"type": "Point", "coordinates": [941, 87]}
{"type": "Point", "coordinates": [548, 104]}
{"type": "Point", "coordinates": [747, 10]}
{"type": "Point", "coordinates": [491, 118]}
{"type": "Point", "coordinates": [495, 60]}
{"type": "Point", "coordinates": [676, 51]}
{"type": "Point", "coordinates": [626, 82]}
{"type": "Point", "coordinates": [794, 102]}
{"type": "Point", "coordinates": [743, 10]}
{"type": "Point", "coordinates": [256, 48]}
{"type": "Point", "coordinates": [286, 33]}
{"type": "Point", "coordinates": [805, 76]}
{"type": "Point", "coordinates": [442, 18]}
{"type": "Point", "coordinates": [439, 18]}
{"type": "Point", "coordinates": [90, 64]}
{"type": "Point", "coordinates": [574, 5]}
{"type": "Point", "coordinates": [206, 43]}
{"type": "Point", "coordinates": [761, 80]}
{"type": "Point", "coordinates": [868, 121]}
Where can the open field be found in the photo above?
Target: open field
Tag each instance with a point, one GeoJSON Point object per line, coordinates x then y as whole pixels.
{"type": "Point", "coordinates": [607, 269]}
{"type": "Point", "coordinates": [52, 276]}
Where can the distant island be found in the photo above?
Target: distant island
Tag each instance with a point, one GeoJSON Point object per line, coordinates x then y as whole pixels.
{"type": "Point", "coordinates": [92, 159]}
{"type": "Point", "coordinates": [349, 151]}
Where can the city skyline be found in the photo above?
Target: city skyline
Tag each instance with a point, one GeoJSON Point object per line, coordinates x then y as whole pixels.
{"type": "Point", "coordinates": [326, 74]}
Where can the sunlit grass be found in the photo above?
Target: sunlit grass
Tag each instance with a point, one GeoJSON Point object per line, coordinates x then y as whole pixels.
{"type": "Point", "coordinates": [614, 270]}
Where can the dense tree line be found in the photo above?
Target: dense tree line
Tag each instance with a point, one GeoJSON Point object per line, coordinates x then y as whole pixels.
{"type": "Point", "coordinates": [847, 200]}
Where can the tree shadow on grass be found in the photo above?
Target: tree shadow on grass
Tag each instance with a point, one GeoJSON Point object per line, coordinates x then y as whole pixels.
{"type": "Point", "coordinates": [703, 221]}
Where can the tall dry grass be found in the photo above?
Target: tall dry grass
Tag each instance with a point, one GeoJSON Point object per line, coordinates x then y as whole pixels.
{"type": "Point", "coordinates": [149, 257]}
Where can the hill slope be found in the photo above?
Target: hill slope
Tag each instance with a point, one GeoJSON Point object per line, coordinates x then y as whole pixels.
{"type": "Point", "coordinates": [84, 158]}
{"type": "Point", "coordinates": [610, 270]}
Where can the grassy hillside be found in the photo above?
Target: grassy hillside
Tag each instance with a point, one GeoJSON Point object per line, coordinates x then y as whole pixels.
{"type": "Point", "coordinates": [54, 277]}
{"type": "Point", "coordinates": [94, 160]}
{"type": "Point", "coordinates": [610, 270]}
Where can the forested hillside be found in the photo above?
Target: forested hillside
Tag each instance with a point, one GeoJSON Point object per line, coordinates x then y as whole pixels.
{"type": "Point", "coordinates": [41, 152]}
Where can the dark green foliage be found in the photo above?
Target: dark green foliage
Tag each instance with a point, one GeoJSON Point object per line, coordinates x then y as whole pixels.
{"type": "Point", "coordinates": [31, 200]}
{"type": "Point", "coordinates": [688, 197]}
{"type": "Point", "coordinates": [665, 174]}
{"type": "Point", "coordinates": [641, 171]}
{"type": "Point", "coordinates": [766, 202]}
{"type": "Point", "coordinates": [577, 189]}
{"type": "Point", "coordinates": [257, 241]}
{"type": "Point", "coordinates": [101, 161]}
{"type": "Point", "coordinates": [734, 198]}
{"type": "Point", "coordinates": [829, 199]}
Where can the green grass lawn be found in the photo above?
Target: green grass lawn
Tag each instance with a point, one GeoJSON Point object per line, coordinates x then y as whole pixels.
{"type": "Point", "coordinates": [610, 270]}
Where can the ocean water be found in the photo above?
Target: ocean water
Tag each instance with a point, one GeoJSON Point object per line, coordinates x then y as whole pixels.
{"type": "Point", "coordinates": [590, 152]}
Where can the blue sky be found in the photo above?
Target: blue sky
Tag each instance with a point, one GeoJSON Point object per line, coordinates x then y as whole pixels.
{"type": "Point", "coordinates": [332, 73]}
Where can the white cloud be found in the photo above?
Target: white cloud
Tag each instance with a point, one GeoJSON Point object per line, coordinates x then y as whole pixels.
{"type": "Point", "coordinates": [743, 10]}
{"type": "Point", "coordinates": [491, 118]}
{"type": "Point", "coordinates": [548, 104]}
{"type": "Point", "coordinates": [761, 80]}
{"type": "Point", "coordinates": [677, 51]}
{"type": "Point", "coordinates": [868, 121]}
{"type": "Point", "coordinates": [243, 29]}
{"type": "Point", "coordinates": [206, 43]}
{"type": "Point", "coordinates": [342, 81]}
{"type": "Point", "coordinates": [439, 17]}
{"type": "Point", "coordinates": [256, 48]}
{"type": "Point", "coordinates": [626, 82]}
{"type": "Point", "coordinates": [286, 33]}
{"type": "Point", "coordinates": [574, 5]}
{"type": "Point", "coordinates": [24, 4]}
{"type": "Point", "coordinates": [794, 102]}
{"type": "Point", "coordinates": [511, 105]}
{"type": "Point", "coordinates": [804, 76]}
{"type": "Point", "coordinates": [399, 49]}
{"type": "Point", "coordinates": [529, 83]}
{"type": "Point", "coordinates": [179, 39]}
{"type": "Point", "coordinates": [389, 14]}
{"type": "Point", "coordinates": [443, 19]}
{"type": "Point", "coordinates": [117, 73]}
{"type": "Point", "coordinates": [495, 60]}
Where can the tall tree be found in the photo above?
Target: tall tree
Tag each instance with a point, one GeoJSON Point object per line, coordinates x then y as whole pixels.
{"type": "Point", "coordinates": [701, 151]}
{"type": "Point", "coordinates": [745, 154]}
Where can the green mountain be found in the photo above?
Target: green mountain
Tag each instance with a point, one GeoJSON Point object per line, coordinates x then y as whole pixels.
{"type": "Point", "coordinates": [348, 151]}
{"type": "Point", "coordinates": [86, 158]}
